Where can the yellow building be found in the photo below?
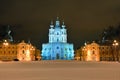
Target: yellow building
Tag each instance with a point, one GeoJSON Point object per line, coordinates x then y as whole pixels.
{"type": "Point", "coordinates": [96, 52]}
{"type": "Point", "coordinates": [26, 52]}
{"type": "Point", "coordinates": [20, 51]}
{"type": "Point", "coordinates": [37, 54]}
{"type": "Point", "coordinates": [91, 52]}
{"type": "Point", "coordinates": [8, 51]}
{"type": "Point", "coordinates": [78, 54]}
{"type": "Point", "coordinates": [106, 53]}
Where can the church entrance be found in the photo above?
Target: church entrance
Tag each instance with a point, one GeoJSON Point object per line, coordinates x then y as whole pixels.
{"type": "Point", "coordinates": [93, 58]}
{"type": "Point", "coordinates": [57, 56]}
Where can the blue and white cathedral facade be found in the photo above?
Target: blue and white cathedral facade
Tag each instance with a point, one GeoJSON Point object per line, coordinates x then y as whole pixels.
{"type": "Point", "coordinates": [57, 48]}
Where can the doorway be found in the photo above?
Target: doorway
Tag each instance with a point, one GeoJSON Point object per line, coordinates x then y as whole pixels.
{"type": "Point", "coordinates": [57, 56]}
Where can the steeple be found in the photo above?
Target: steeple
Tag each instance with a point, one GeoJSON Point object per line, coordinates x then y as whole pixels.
{"type": "Point", "coordinates": [63, 25]}
{"type": "Point", "coordinates": [51, 25]}
{"type": "Point", "coordinates": [57, 23]}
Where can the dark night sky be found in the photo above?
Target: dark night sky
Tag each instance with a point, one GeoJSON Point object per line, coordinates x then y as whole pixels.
{"type": "Point", "coordinates": [84, 19]}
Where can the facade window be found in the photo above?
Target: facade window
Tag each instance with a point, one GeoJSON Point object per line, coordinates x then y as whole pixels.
{"type": "Point", "coordinates": [93, 52]}
{"type": "Point", "coordinates": [103, 52]}
{"type": "Point", "coordinates": [107, 47]}
{"type": "Point", "coordinates": [111, 47]}
{"type": "Point", "coordinates": [23, 51]}
{"type": "Point", "coordinates": [57, 40]}
{"type": "Point", "coordinates": [65, 48]}
{"type": "Point", "coordinates": [57, 47]}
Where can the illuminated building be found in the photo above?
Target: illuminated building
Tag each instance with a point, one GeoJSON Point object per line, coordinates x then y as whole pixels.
{"type": "Point", "coordinates": [57, 48]}
{"type": "Point", "coordinates": [18, 51]}
{"type": "Point", "coordinates": [8, 51]}
{"type": "Point", "coordinates": [98, 52]}
{"type": "Point", "coordinates": [26, 52]}
{"type": "Point", "coordinates": [110, 52]}
{"type": "Point", "coordinates": [78, 54]}
{"type": "Point", "coordinates": [91, 52]}
{"type": "Point", "coordinates": [106, 53]}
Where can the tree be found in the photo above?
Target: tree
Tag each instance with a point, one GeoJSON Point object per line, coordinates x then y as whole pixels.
{"type": "Point", "coordinates": [110, 33]}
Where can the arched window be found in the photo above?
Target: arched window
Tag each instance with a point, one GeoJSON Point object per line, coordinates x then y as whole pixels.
{"type": "Point", "coordinates": [70, 49]}
{"type": "Point", "coordinates": [57, 40]}
{"type": "Point", "coordinates": [93, 52]}
{"type": "Point", "coordinates": [23, 51]}
{"type": "Point", "coordinates": [57, 47]}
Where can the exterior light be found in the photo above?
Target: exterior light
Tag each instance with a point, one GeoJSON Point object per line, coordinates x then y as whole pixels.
{"type": "Point", "coordinates": [88, 55]}
{"type": "Point", "coordinates": [5, 43]}
{"type": "Point", "coordinates": [28, 55]}
{"type": "Point", "coordinates": [115, 44]}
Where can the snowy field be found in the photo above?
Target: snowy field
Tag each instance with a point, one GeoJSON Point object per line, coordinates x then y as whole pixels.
{"type": "Point", "coordinates": [59, 70]}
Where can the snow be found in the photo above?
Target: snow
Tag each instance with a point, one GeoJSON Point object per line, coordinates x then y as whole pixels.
{"type": "Point", "coordinates": [59, 70]}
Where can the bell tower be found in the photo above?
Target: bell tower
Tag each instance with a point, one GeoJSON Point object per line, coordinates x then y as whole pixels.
{"type": "Point", "coordinates": [57, 33]}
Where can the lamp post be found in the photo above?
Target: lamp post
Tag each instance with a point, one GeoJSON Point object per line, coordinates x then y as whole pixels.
{"type": "Point", "coordinates": [5, 43]}
{"type": "Point", "coordinates": [115, 44]}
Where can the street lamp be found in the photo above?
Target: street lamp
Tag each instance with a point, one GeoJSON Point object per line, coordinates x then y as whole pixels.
{"type": "Point", "coordinates": [115, 44]}
{"type": "Point", "coordinates": [5, 43]}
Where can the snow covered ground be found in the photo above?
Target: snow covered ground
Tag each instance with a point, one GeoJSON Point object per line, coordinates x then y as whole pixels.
{"type": "Point", "coordinates": [59, 70]}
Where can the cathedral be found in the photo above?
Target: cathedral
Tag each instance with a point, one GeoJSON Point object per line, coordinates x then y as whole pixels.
{"type": "Point", "coordinates": [57, 48]}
